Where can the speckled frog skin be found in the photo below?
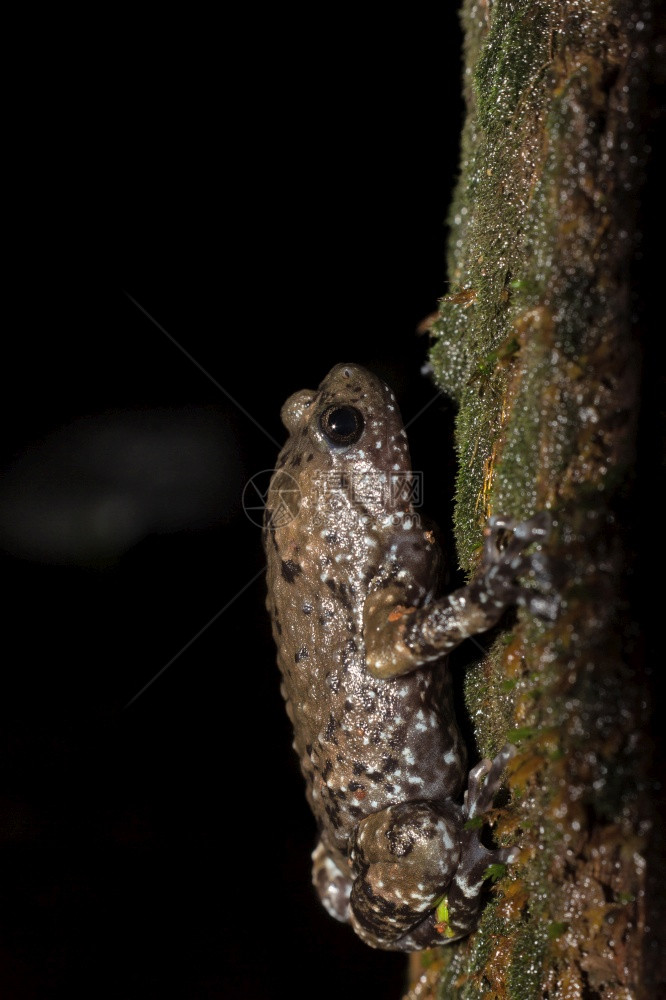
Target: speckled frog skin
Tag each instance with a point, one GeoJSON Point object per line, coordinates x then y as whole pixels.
{"type": "Point", "coordinates": [351, 577]}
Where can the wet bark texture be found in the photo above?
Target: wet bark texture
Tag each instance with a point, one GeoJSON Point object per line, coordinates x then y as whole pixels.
{"type": "Point", "coordinates": [536, 343]}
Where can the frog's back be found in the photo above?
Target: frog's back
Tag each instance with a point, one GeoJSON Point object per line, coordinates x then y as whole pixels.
{"type": "Point", "coordinates": [333, 517]}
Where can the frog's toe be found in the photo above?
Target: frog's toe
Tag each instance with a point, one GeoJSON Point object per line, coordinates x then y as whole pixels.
{"type": "Point", "coordinates": [480, 793]}
{"type": "Point", "coordinates": [543, 606]}
{"type": "Point", "coordinates": [500, 523]}
{"type": "Point", "coordinates": [536, 528]}
{"type": "Point", "coordinates": [507, 855]}
{"type": "Point", "coordinates": [474, 785]}
{"type": "Point", "coordinates": [541, 598]}
{"type": "Point", "coordinates": [505, 537]}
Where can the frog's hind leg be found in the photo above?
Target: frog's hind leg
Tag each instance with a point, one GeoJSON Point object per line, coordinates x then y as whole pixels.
{"type": "Point", "coordinates": [332, 884]}
{"type": "Point", "coordinates": [463, 897]}
{"type": "Point", "coordinates": [402, 860]}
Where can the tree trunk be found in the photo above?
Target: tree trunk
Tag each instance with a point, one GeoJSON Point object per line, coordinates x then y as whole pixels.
{"type": "Point", "coordinates": [537, 345]}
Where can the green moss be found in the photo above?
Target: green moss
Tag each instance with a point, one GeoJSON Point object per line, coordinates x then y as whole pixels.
{"type": "Point", "coordinates": [478, 352]}
{"type": "Point", "coordinates": [516, 49]}
{"type": "Point", "coordinates": [532, 344]}
{"type": "Point", "coordinates": [520, 734]}
{"type": "Point", "coordinates": [495, 872]}
{"type": "Point", "coordinates": [526, 972]}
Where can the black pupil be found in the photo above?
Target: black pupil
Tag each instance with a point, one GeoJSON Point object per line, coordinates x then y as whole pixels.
{"type": "Point", "coordinates": [342, 424]}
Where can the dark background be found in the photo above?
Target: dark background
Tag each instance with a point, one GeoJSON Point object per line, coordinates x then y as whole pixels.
{"type": "Point", "coordinates": [165, 849]}
{"type": "Point", "coordinates": [272, 232]}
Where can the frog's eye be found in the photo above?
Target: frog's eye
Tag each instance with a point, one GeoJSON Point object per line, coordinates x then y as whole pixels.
{"type": "Point", "coordinates": [342, 425]}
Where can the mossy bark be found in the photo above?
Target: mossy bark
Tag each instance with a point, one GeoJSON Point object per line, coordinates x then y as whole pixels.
{"type": "Point", "coordinates": [535, 342]}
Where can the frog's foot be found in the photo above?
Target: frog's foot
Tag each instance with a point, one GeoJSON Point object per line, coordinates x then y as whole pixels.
{"type": "Point", "coordinates": [464, 894]}
{"type": "Point", "coordinates": [505, 561]}
{"type": "Point", "coordinates": [332, 884]}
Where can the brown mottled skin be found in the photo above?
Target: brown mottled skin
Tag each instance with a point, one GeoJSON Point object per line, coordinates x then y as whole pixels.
{"type": "Point", "coordinates": [351, 574]}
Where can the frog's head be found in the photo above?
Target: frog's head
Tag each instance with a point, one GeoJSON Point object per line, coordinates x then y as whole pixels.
{"type": "Point", "coordinates": [349, 432]}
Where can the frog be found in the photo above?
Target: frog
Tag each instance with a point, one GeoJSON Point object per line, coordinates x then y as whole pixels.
{"type": "Point", "coordinates": [353, 575]}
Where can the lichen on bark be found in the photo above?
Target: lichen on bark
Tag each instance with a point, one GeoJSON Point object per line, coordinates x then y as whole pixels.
{"type": "Point", "coordinates": [535, 343]}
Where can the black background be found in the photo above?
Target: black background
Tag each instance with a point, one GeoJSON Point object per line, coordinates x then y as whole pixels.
{"type": "Point", "coordinates": [272, 231]}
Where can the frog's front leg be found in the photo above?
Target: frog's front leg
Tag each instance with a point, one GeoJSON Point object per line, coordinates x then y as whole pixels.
{"type": "Point", "coordinates": [400, 638]}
